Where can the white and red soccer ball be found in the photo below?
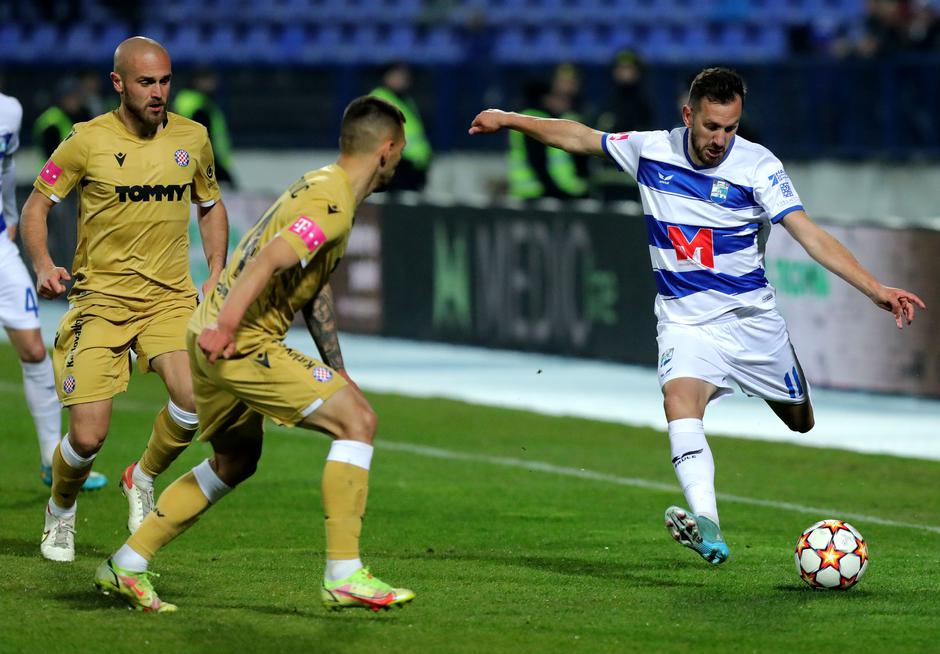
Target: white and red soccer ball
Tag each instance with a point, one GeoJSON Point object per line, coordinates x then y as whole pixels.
{"type": "Point", "coordinates": [831, 554]}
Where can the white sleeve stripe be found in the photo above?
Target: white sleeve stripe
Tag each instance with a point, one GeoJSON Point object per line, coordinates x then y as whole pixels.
{"type": "Point", "coordinates": [207, 204]}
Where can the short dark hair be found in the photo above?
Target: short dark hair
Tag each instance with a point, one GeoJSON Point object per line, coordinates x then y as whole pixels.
{"type": "Point", "coordinates": [366, 121]}
{"type": "Point", "coordinates": [718, 84]}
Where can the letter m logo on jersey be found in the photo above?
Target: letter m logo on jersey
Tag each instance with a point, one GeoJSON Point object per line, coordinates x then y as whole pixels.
{"type": "Point", "coordinates": [699, 249]}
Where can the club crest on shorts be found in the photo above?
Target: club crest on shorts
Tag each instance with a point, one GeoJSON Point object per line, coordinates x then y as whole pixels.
{"type": "Point", "coordinates": [719, 191]}
{"type": "Point", "coordinates": [182, 158]}
{"type": "Point", "coordinates": [666, 357]}
{"type": "Point", "coordinates": [68, 385]}
{"type": "Point", "coordinates": [322, 374]}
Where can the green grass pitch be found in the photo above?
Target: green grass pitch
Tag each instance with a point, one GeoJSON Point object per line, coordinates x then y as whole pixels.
{"type": "Point", "coordinates": [481, 512]}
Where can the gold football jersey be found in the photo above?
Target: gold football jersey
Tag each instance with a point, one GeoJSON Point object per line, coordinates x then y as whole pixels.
{"type": "Point", "coordinates": [315, 216]}
{"type": "Point", "coordinates": [134, 207]}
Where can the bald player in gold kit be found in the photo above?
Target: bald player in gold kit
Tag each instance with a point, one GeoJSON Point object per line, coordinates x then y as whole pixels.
{"type": "Point", "coordinates": [136, 170]}
{"type": "Point", "coordinates": [243, 371]}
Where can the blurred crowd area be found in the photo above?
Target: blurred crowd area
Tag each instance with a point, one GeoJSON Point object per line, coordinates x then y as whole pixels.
{"type": "Point", "coordinates": [828, 79]}
{"type": "Point", "coordinates": [454, 31]}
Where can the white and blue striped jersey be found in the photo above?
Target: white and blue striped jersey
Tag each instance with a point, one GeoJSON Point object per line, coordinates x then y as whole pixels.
{"type": "Point", "coordinates": [707, 226]}
{"type": "Point", "coordinates": [11, 116]}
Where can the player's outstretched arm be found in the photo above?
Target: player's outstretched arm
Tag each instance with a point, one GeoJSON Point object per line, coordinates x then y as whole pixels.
{"type": "Point", "coordinates": [35, 234]}
{"type": "Point", "coordinates": [835, 257]}
{"type": "Point", "coordinates": [218, 339]}
{"type": "Point", "coordinates": [568, 135]}
{"type": "Point", "coordinates": [213, 228]}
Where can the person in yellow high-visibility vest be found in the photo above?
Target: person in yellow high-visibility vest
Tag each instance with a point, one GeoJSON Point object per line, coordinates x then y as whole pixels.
{"type": "Point", "coordinates": [197, 103]}
{"type": "Point", "coordinates": [536, 170]}
{"type": "Point", "coordinates": [412, 172]}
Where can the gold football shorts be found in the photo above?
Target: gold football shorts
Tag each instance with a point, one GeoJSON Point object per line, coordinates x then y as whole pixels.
{"type": "Point", "coordinates": [273, 380]}
{"type": "Point", "coordinates": [91, 354]}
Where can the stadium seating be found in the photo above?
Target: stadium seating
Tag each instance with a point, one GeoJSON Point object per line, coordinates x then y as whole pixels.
{"type": "Point", "coordinates": [372, 31]}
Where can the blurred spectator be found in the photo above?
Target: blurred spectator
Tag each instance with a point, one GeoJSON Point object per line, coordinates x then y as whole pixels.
{"type": "Point", "coordinates": [198, 103]}
{"type": "Point", "coordinates": [536, 170]}
{"type": "Point", "coordinates": [412, 173]}
{"type": "Point", "coordinates": [893, 27]}
{"type": "Point", "coordinates": [566, 82]}
{"type": "Point", "coordinates": [95, 104]}
{"type": "Point", "coordinates": [55, 123]}
{"type": "Point", "coordinates": [626, 109]}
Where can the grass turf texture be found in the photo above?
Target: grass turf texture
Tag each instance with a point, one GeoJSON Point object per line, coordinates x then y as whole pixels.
{"type": "Point", "coordinates": [502, 558]}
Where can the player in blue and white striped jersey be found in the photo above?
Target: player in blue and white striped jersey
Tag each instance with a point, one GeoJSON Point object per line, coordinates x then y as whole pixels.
{"type": "Point", "coordinates": [710, 199]}
{"type": "Point", "coordinates": [19, 311]}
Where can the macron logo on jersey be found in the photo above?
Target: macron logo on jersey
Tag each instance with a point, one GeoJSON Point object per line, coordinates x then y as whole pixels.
{"type": "Point", "coordinates": [311, 233]}
{"type": "Point", "coordinates": [699, 249]}
{"type": "Point", "coordinates": [50, 173]}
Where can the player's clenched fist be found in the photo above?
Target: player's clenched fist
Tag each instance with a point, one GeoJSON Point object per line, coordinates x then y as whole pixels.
{"type": "Point", "coordinates": [49, 282]}
{"type": "Point", "coordinates": [215, 341]}
{"type": "Point", "coordinates": [488, 121]}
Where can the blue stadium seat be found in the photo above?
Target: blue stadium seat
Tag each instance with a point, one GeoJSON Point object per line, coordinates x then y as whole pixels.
{"type": "Point", "coordinates": [513, 45]}
{"type": "Point", "coordinates": [223, 43]}
{"type": "Point", "coordinates": [11, 36]}
{"type": "Point", "coordinates": [187, 45]}
{"type": "Point", "coordinates": [591, 42]}
{"type": "Point", "coordinates": [443, 45]}
{"type": "Point", "coordinates": [42, 45]}
{"type": "Point", "coordinates": [258, 45]}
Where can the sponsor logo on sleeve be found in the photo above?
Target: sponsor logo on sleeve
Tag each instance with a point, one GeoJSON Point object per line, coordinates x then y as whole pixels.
{"type": "Point", "coordinates": [620, 136]}
{"type": "Point", "coordinates": [309, 231]}
{"type": "Point", "coordinates": [50, 173]}
{"type": "Point", "coordinates": [783, 180]}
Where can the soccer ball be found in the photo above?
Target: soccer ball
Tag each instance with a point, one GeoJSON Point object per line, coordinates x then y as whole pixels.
{"type": "Point", "coordinates": [831, 554]}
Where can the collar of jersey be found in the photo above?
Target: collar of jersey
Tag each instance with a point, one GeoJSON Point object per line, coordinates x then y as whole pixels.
{"type": "Point", "coordinates": [685, 149]}
{"type": "Point", "coordinates": [129, 133]}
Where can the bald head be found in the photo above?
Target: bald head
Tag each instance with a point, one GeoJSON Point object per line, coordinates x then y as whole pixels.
{"type": "Point", "coordinates": [141, 77]}
{"type": "Point", "coordinates": [136, 51]}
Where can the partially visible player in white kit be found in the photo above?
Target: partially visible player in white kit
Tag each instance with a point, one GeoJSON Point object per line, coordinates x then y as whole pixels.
{"type": "Point", "coordinates": [19, 311]}
{"type": "Point", "coordinates": [710, 199]}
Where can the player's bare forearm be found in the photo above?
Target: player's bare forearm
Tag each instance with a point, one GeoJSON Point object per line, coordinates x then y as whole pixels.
{"type": "Point", "coordinates": [213, 228]}
{"type": "Point", "coordinates": [35, 234]}
{"type": "Point", "coordinates": [829, 252]}
{"type": "Point", "coordinates": [320, 316]}
{"type": "Point", "coordinates": [568, 135]}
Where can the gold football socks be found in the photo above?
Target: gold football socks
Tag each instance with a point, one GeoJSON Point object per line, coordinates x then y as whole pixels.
{"type": "Point", "coordinates": [178, 507]}
{"type": "Point", "coordinates": [345, 488]}
{"type": "Point", "coordinates": [167, 441]}
{"type": "Point", "coordinates": [68, 475]}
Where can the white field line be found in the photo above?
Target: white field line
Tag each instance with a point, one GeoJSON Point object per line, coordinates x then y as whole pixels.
{"type": "Point", "coordinates": [564, 471]}
{"type": "Point", "coordinates": [591, 475]}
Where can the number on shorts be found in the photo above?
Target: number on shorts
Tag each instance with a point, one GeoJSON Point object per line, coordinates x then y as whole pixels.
{"type": "Point", "coordinates": [31, 304]}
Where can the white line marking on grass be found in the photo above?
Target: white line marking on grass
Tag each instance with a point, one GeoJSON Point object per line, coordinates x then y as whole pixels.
{"type": "Point", "coordinates": [550, 468]}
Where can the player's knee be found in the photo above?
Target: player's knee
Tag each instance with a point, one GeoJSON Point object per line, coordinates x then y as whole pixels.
{"type": "Point", "coordinates": [33, 352]}
{"type": "Point", "coordinates": [234, 468]}
{"type": "Point", "coordinates": [360, 424]}
{"type": "Point", "coordinates": [86, 442]}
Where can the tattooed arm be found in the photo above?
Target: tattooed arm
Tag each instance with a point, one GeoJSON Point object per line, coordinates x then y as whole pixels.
{"type": "Point", "coordinates": [321, 322]}
{"type": "Point", "coordinates": [320, 317]}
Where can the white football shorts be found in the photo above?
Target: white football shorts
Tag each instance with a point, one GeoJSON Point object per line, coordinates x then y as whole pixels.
{"type": "Point", "coordinates": [754, 352]}
{"type": "Point", "coordinates": [19, 308]}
